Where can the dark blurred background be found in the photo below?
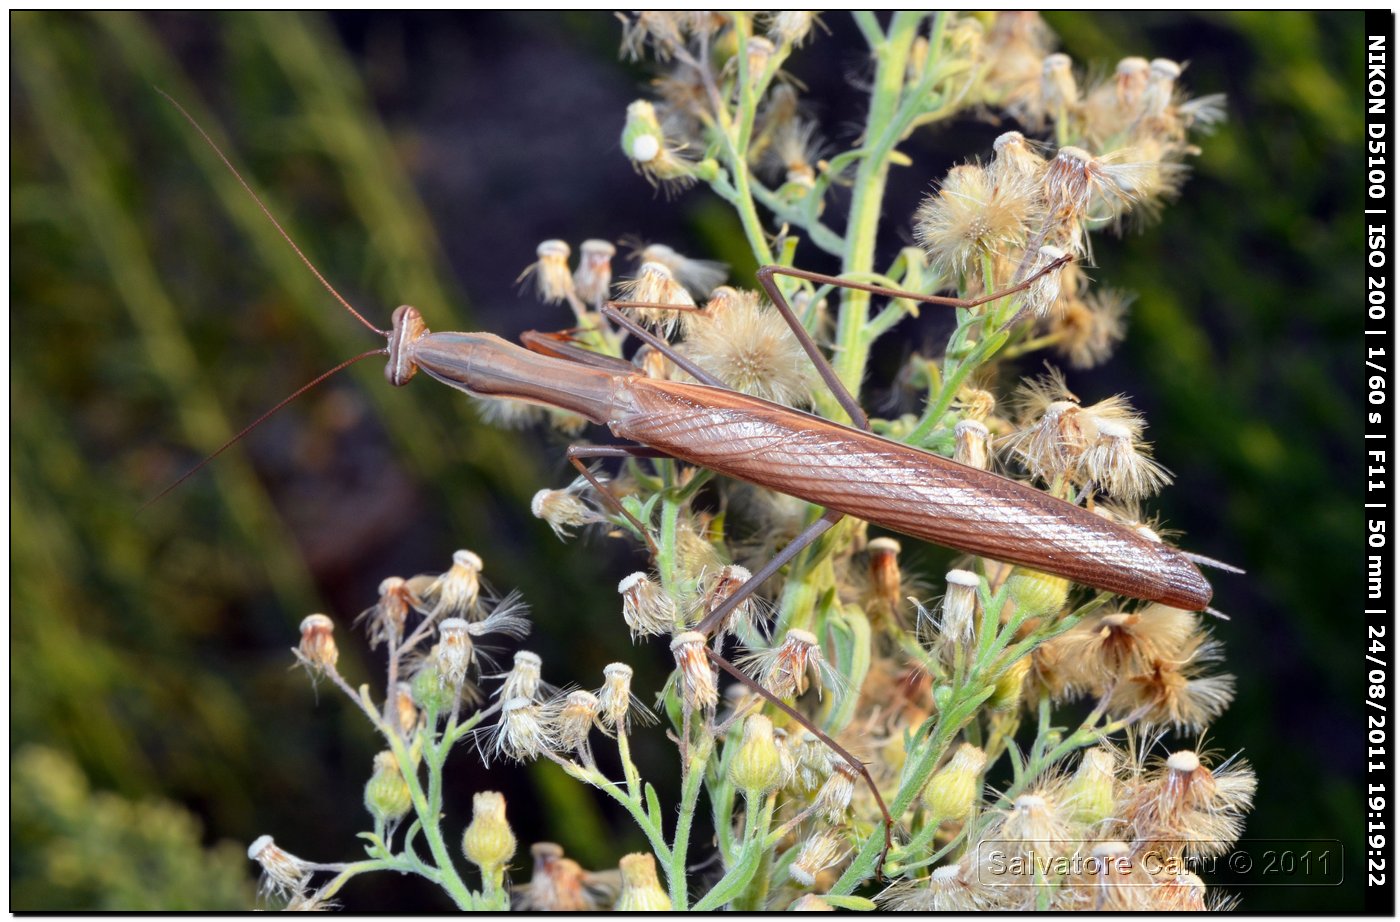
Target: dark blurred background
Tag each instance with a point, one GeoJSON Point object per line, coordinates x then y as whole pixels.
{"type": "Point", "coordinates": [419, 159]}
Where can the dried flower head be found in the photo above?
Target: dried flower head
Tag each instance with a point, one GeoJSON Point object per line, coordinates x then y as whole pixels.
{"type": "Point", "coordinates": [455, 654]}
{"type": "Point", "coordinates": [970, 444]}
{"type": "Point", "coordinates": [791, 27]}
{"type": "Point", "coordinates": [646, 607]}
{"type": "Point", "coordinates": [560, 884]}
{"type": "Point", "coordinates": [788, 668]}
{"type": "Point", "coordinates": [1016, 162]}
{"type": "Point", "coordinates": [822, 850]}
{"type": "Point", "coordinates": [1120, 464]}
{"type": "Point", "coordinates": [834, 799]}
{"type": "Point", "coordinates": [696, 676]}
{"type": "Point", "coordinates": [522, 734]}
{"type": "Point", "coordinates": [456, 592]}
{"type": "Point", "coordinates": [1043, 294]}
{"type": "Point", "coordinates": [1059, 91]}
{"type": "Point", "coordinates": [284, 874]}
{"type": "Point", "coordinates": [593, 277]}
{"type": "Point", "coordinates": [698, 276]}
{"type": "Point", "coordinates": [886, 582]}
{"type": "Point", "coordinates": [716, 589]}
{"type": "Point", "coordinates": [576, 715]}
{"type": "Point", "coordinates": [553, 280]}
{"type": "Point", "coordinates": [565, 509]}
{"type": "Point", "coordinates": [317, 650]}
{"type": "Point", "coordinates": [388, 616]}
{"type": "Point", "coordinates": [619, 707]}
{"type": "Point", "coordinates": [950, 888]}
{"type": "Point", "coordinates": [656, 284]}
{"type": "Point", "coordinates": [524, 680]}
{"type": "Point", "coordinates": [958, 624]}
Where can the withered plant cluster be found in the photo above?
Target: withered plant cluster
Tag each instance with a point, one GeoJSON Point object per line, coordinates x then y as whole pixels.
{"type": "Point", "coordinates": [1017, 728]}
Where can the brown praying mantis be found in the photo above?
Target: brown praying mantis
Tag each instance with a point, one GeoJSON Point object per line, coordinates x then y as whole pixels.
{"type": "Point", "coordinates": [846, 470]}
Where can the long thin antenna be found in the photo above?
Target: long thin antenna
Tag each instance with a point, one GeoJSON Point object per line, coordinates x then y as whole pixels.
{"type": "Point", "coordinates": [259, 421]}
{"type": "Point", "coordinates": [285, 236]}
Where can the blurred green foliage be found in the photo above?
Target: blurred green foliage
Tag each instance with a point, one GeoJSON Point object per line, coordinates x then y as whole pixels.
{"type": "Point", "coordinates": [94, 850]}
{"type": "Point", "coordinates": [154, 310]}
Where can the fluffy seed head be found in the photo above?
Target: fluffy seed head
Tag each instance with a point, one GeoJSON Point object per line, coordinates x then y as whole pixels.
{"type": "Point", "coordinates": [745, 343]}
{"type": "Point", "coordinates": [972, 216]}
{"type": "Point", "coordinates": [1121, 465]}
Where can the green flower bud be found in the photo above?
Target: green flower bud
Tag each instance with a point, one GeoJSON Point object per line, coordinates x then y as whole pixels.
{"type": "Point", "coordinates": [641, 890]}
{"type": "Point", "coordinates": [1090, 795]}
{"type": "Point", "coordinates": [1010, 685]}
{"type": "Point", "coordinates": [386, 794]}
{"type": "Point", "coordinates": [957, 786]}
{"type": "Point", "coordinates": [488, 842]}
{"type": "Point", "coordinates": [757, 767]}
{"type": "Point", "coordinates": [642, 138]}
{"type": "Point", "coordinates": [1040, 594]}
{"type": "Point", "coordinates": [431, 693]}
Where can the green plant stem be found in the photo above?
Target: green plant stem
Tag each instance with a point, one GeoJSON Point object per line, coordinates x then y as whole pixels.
{"type": "Point", "coordinates": [891, 60]}
{"type": "Point", "coordinates": [690, 798]}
